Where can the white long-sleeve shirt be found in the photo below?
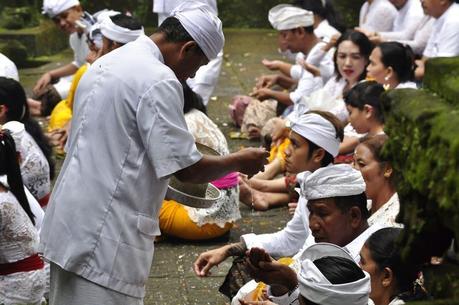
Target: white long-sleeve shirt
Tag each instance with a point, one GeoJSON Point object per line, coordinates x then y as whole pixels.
{"type": "Point", "coordinates": [291, 239]}
{"type": "Point", "coordinates": [407, 21]}
{"type": "Point", "coordinates": [421, 34]}
{"type": "Point", "coordinates": [307, 83]}
{"type": "Point", "coordinates": [378, 16]}
{"type": "Point", "coordinates": [444, 40]}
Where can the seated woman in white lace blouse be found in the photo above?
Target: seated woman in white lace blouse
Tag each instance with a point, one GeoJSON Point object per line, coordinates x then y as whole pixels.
{"type": "Point", "coordinates": [189, 223]}
{"type": "Point", "coordinates": [22, 273]}
{"type": "Point", "coordinates": [392, 65]}
{"type": "Point", "coordinates": [37, 166]}
{"type": "Point", "coordinates": [378, 175]}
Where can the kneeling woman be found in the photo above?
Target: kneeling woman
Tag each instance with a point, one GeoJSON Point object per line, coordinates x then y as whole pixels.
{"type": "Point", "coordinates": [188, 223]}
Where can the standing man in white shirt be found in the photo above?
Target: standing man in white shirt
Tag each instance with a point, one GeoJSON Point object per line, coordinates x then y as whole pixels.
{"type": "Point", "coordinates": [444, 40]}
{"type": "Point", "coordinates": [206, 78]}
{"type": "Point", "coordinates": [377, 16]}
{"type": "Point", "coordinates": [129, 137]}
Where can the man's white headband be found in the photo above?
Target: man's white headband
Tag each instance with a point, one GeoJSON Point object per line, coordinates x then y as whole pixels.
{"type": "Point", "coordinates": [333, 181]}
{"type": "Point", "coordinates": [203, 26]}
{"type": "Point", "coordinates": [117, 33]}
{"type": "Point", "coordinates": [52, 8]}
{"type": "Point", "coordinates": [316, 129]}
{"type": "Point", "coordinates": [17, 130]}
{"type": "Point", "coordinates": [314, 286]}
{"type": "Point", "coordinates": [288, 17]}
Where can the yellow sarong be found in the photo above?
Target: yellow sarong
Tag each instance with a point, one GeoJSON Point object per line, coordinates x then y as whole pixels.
{"type": "Point", "coordinates": [174, 221]}
{"type": "Point", "coordinates": [278, 152]}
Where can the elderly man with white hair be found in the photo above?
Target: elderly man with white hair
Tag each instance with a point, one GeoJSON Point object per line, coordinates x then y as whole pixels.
{"type": "Point", "coordinates": [129, 137]}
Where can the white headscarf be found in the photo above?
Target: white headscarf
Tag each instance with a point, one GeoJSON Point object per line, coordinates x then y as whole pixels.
{"type": "Point", "coordinates": [315, 128]}
{"type": "Point", "coordinates": [17, 130]}
{"type": "Point", "coordinates": [117, 33]}
{"type": "Point", "coordinates": [333, 181]}
{"type": "Point", "coordinates": [288, 17]}
{"type": "Point", "coordinates": [52, 8]}
{"type": "Point", "coordinates": [315, 287]}
{"type": "Point", "coordinates": [94, 32]}
{"type": "Point", "coordinates": [202, 25]}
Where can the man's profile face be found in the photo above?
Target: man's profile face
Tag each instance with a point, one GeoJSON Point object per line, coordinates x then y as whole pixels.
{"type": "Point", "coordinates": [192, 60]}
{"type": "Point", "coordinates": [66, 21]}
{"type": "Point", "coordinates": [297, 158]}
{"type": "Point", "coordinates": [433, 8]}
{"type": "Point", "coordinates": [292, 40]}
{"type": "Point", "coordinates": [328, 223]}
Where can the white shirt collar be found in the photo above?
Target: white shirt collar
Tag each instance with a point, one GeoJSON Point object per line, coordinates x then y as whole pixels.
{"type": "Point", "coordinates": [356, 245]}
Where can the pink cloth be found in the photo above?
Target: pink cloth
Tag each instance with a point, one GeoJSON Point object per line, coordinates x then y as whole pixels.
{"type": "Point", "coordinates": [227, 181]}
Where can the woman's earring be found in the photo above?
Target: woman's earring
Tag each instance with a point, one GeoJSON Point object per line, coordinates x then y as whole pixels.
{"type": "Point", "coordinates": [386, 86]}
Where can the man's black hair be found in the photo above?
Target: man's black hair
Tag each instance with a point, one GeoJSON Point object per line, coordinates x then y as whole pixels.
{"type": "Point", "coordinates": [174, 30]}
{"type": "Point", "coordinates": [345, 203]}
{"type": "Point", "coordinates": [127, 22]}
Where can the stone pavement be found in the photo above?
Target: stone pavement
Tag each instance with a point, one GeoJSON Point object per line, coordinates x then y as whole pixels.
{"type": "Point", "coordinates": [172, 280]}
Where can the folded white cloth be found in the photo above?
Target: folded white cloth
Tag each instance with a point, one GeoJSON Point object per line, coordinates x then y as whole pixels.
{"type": "Point", "coordinates": [333, 181]}
{"type": "Point", "coordinates": [315, 128]}
{"type": "Point", "coordinates": [117, 33]}
{"type": "Point", "coordinates": [314, 286]}
{"type": "Point", "coordinates": [52, 8]}
{"type": "Point", "coordinates": [288, 17]}
{"type": "Point", "coordinates": [202, 25]}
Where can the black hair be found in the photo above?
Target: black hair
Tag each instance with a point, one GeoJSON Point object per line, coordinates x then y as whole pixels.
{"type": "Point", "coordinates": [375, 144]}
{"type": "Point", "coordinates": [345, 203]}
{"type": "Point", "coordinates": [126, 21]}
{"type": "Point", "coordinates": [339, 129]}
{"type": "Point", "coordinates": [360, 40]}
{"type": "Point", "coordinates": [400, 58]}
{"type": "Point", "coordinates": [338, 270]}
{"type": "Point", "coordinates": [13, 96]}
{"type": "Point", "coordinates": [326, 12]}
{"type": "Point", "coordinates": [385, 251]}
{"type": "Point", "coordinates": [192, 100]}
{"type": "Point", "coordinates": [9, 166]}
{"type": "Point", "coordinates": [307, 29]}
{"type": "Point", "coordinates": [174, 30]}
{"type": "Point", "coordinates": [366, 93]}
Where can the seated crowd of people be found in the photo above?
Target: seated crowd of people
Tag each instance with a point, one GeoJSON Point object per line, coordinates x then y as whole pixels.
{"type": "Point", "coordinates": [319, 114]}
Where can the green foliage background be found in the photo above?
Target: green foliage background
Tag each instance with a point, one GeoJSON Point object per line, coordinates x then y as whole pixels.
{"type": "Point", "coordinates": [234, 13]}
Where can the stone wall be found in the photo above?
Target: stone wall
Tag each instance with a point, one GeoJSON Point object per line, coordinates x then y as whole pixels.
{"type": "Point", "coordinates": [423, 129]}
